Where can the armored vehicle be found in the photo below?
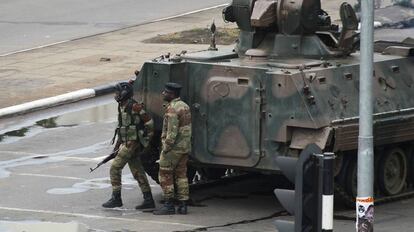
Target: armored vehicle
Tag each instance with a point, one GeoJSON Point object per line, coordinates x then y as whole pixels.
{"type": "Point", "coordinates": [292, 79]}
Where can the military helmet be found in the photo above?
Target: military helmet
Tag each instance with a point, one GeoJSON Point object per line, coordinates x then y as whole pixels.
{"type": "Point", "coordinates": [124, 91]}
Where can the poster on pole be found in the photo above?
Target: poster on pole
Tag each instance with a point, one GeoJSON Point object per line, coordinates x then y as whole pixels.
{"type": "Point", "coordinates": [365, 213]}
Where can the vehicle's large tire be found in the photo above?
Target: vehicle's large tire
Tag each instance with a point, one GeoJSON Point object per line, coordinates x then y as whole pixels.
{"type": "Point", "coordinates": [411, 168]}
{"type": "Point", "coordinates": [341, 177]}
{"type": "Point", "coordinates": [339, 163]}
{"type": "Point", "coordinates": [351, 177]}
{"type": "Point", "coordinates": [392, 171]}
{"type": "Point", "coordinates": [410, 159]}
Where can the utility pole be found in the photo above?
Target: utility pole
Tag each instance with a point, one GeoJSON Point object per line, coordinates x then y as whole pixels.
{"type": "Point", "coordinates": [365, 197]}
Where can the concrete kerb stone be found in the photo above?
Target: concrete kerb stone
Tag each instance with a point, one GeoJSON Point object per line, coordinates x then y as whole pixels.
{"type": "Point", "coordinates": [62, 99]}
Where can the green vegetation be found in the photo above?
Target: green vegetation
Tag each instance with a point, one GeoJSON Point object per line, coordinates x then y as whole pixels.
{"type": "Point", "coordinates": [224, 36]}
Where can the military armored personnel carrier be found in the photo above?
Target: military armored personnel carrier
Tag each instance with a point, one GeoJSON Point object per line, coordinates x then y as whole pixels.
{"type": "Point", "coordinates": [292, 79]}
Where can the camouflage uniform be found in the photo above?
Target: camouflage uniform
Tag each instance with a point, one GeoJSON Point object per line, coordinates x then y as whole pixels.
{"type": "Point", "coordinates": [176, 145]}
{"type": "Point", "coordinates": [135, 128]}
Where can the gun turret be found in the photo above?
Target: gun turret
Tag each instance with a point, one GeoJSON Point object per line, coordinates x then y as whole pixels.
{"type": "Point", "coordinates": [286, 28]}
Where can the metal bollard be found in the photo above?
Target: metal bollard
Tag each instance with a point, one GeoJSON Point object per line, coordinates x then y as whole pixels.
{"type": "Point", "coordinates": [328, 191]}
{"type": "Point", "coordinates": [325, 190]}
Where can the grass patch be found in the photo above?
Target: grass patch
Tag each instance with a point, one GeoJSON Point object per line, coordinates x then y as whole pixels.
{"type": "Point", "coordinates": [224, 36]}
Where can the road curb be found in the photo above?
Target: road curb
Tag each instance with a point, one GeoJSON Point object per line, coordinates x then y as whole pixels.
{"type": "Point", "coordinates": [119, 29]}
{"type": "Point", "coordinates": [66, 98]}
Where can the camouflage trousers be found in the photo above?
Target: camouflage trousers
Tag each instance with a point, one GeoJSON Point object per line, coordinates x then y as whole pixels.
{"type": "Point", "coordinates": [128, 154]}
{"type": "Point", "coordinates": [173, 170]}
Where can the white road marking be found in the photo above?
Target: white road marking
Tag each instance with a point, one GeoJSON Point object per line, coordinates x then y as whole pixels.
{"type": "Point", "coordinates": [37, 47]}
{"type": "Point", "coordinates": [190, 12]}
{"type": "Point", "coordinates": [86, 159]}
{"type": "Point", "coordinates": [19, 153]}
{"type": "Point", "coordinates": [152, 21]}
{"type": "Point", "coordinates": [98, 217]}
{"type": "Point", "coordinates": [127, 179]}
{"type": "Point", "coordinates": [50, 176]}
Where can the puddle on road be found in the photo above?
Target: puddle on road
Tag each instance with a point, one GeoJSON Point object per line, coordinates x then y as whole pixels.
{"type": "Point", "coordinates": [128, 182]}
{"type": "Point", "coordinates": [40, 226]}
{"type": "Point", "coordinates": [96, 111]}
{"type": "Point", "coordinates": [101, 113]}
{"type": "Point", "coordinates": [34, 159]}
{"type": "Point", "coordinates": [98, 183]}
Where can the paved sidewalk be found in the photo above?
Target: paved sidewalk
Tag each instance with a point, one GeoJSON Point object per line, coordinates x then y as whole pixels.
{"type": "Point", "coordinates": [79, 64]}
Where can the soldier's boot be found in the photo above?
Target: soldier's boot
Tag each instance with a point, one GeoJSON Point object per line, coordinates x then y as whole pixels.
{"type": "Point", "coordinates": [148, 202]}
{"type": "Point", "coordinates": [182, 207]}
{"type": "Point", "coordinates": [167, 209]}
{"type": "Point", "coordinates": [115, 200]}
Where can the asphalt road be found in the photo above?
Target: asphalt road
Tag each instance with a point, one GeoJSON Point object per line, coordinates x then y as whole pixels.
{"type": "Point", "coordinates": [394, 34]}
{"type": "Point", "coordinates": [27, 24]}
{"type": "Point", "coordinates": [44, 179]}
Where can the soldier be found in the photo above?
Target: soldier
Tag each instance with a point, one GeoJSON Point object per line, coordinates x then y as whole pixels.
{"type": "Point", "coordinates": [134, 131]}
{"type": "Point", "coordinates": [176, 145]}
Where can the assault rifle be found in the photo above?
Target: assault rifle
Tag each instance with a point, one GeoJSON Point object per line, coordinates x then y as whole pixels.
{"type": "Point", "coordinates": [108, 158]}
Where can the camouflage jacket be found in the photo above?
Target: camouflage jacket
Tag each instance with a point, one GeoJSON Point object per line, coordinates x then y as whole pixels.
{"type": "Point", "coordinates": [176, 129]}
{"type": "Point", "coordinates": [134, 124]}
